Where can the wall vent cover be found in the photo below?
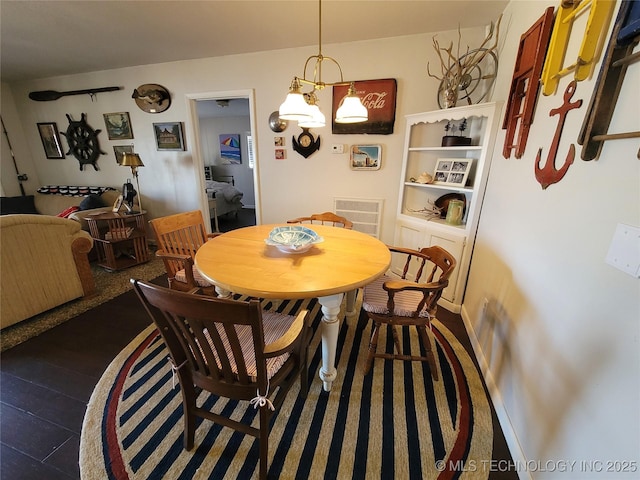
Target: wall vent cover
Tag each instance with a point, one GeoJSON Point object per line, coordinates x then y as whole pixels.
{"type": "Point", "coordinates": [364, 213]}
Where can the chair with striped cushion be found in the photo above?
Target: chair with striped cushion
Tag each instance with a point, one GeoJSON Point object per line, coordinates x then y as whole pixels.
{"type": "Point", "coordinates": [326, 218]}
{"type": "Point", "coordinates": [179, 237]}
{"type": "Point", "coordinates": [232, 349]}
{"type": "Point", "coordinates": [403, 302]}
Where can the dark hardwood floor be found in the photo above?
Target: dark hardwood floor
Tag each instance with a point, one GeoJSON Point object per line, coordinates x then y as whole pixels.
{"type": "Point", "coordinates": [46, 382]}
{"type": "Point", "coordinates": [245, 218]}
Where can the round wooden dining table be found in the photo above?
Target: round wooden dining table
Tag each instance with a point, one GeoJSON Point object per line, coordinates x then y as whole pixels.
{"type": "Point", "coordinates": [240, 261]}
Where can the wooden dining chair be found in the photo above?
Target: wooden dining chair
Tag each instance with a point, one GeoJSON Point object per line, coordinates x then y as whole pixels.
{"type": "Point", "coordinates": [330, 218]}
{"type": "Point", "coordinates": [232, 349]}
{"type": "Point", "coordinates": [179, 237]}
{"type": "Point", "coordinates": [399, 301]}
{"type": "Point", "coordinates": [326, 218]}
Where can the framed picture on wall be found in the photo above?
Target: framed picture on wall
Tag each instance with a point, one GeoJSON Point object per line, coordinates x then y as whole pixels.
{"type": "Point", "coordinates": [118, 125]}
{"type": "Point", "coordinates": [366, 157]}
{"type": "Point", "coordinates": [169, 136]}
{"type": "Point", "coordinates": [230, 149]}
{"type": "Point", "coordinates": [50, 140]}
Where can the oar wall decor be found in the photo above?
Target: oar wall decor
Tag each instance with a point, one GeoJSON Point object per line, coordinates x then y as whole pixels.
{"type": "Point", "coordinates": [50, 95]}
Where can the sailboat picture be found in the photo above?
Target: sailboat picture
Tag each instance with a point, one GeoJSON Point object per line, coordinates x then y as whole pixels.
{"type": "Point", "coordinates": [230, 148]}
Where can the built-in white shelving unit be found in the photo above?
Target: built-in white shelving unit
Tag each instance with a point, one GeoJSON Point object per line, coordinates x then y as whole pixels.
{"type": "Point", "coordinates": [422, 150]}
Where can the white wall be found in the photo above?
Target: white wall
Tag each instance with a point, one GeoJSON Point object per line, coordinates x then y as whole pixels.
{"type": "Point", "coordinates": [562, 344]}
{"type": "Point", "coordinates": [561, 330]}
{"type": "Point", "coordinates": [288, 188]}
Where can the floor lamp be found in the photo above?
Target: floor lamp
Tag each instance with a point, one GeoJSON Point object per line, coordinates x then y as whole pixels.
{"type": "Point", "coordinates": [133, 160]}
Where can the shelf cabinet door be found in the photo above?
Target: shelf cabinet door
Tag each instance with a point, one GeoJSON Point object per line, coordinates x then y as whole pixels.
{"type": "Point", "coordinates": [416, 236]}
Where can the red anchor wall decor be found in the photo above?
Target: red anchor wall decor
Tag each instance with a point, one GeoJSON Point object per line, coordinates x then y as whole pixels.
{"type": "Point", "coordinates": [549, 173]}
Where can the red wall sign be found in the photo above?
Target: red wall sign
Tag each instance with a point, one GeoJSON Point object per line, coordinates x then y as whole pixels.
{"type": "Point", "coordinates": [379, 96]}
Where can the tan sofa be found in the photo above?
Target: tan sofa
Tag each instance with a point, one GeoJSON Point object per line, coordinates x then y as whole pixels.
{"type": "Point", "coordinates": [53, 204]}
{"type": "Point", "coordinates": [43, 263]}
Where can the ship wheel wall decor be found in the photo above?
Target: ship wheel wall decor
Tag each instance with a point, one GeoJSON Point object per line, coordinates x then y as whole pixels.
{"type": "Point", "coordinates": [83, 142]}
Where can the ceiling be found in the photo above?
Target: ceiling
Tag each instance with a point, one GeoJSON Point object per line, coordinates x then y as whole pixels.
{"type": "Point", "coordinates": [47, 38]}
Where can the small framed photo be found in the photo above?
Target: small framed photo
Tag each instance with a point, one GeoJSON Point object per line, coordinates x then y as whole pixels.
{"type": "Point", "coordinates": [118, 125]}
{"type": "Point", "coordinates": [281, 154]}
{"type": "Point", "coordinates": [278, 141]}
{"type": "Point", "coordinates": [452, 171]}
{"type": "Point", "coordinates": [168, 136]}
{"type": "Point", "coordinates": [366, 157]}
{"type": "Point", "coordinates": [117, 204]}
{"type": "Point", "coordinates": [50, 140]}
{"type": "Point", "coordinates": [120, 150]}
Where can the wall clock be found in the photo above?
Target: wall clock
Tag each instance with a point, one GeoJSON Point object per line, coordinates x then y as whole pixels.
{"type": "Point", "coordinates": [306, 144]}
{"type": "Point", "coordinates": [83, 142]}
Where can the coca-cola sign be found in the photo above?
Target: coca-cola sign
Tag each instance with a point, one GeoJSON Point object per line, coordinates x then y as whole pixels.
{"type": "Point", "coordinates": [379, 96]}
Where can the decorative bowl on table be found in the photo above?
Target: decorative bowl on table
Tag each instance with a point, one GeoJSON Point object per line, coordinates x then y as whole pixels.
{"type": "Point", "coordinates": [293, 239]}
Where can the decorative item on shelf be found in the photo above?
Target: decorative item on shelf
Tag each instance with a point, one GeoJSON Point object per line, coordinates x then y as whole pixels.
{"type": "Point", "coordinates": [469, 76]}
{"type": "Point", "coordinates": [443, 203]}
{"type": "Point", "coordinates": [452, 171]}
{"type": "Point", "coordinates": [83, 142]}
{"type": "Point", "coordinates": [117, 205]}
{"type": "Point", "coordinates": [303, 107]}
{"type": "Point", "coordinates": [431, 211]}
{"type": "Point", "coordinates": [152, 98]}
{"type": "Point", "coordinates": [456, 140]}
{"type": "Point", "coordinates": [423, 178]}
{"type": "Point", "coordinates": [455, 212]}
{"type": "Point", "coordinates": [128, 192]}
{"type": "Point", "coordinates": [306, 144]}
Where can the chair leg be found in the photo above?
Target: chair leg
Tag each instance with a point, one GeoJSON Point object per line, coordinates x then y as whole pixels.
{"type": "Point", "coordinates": [264, 441]}
{"type": "Point", "coordinates": [431, 359]}
{"type": "Point", "coordinates": [373, 345]}
{"type": "Point", "coordinates": [188, 411]}
{"type": "Point", "coordinates": [396, 340]}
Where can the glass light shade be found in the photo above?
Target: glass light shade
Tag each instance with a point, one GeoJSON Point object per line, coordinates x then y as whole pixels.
{"type": "Point", "coordinates": [317, 119]}
{"type": "Point", "coordinates": [294, 107]}
{"type": "Point", "coordinates": [351, 110]}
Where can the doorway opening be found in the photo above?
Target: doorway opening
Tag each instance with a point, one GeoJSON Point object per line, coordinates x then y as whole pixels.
{"type": "Point", "coordinates": [225, 158]}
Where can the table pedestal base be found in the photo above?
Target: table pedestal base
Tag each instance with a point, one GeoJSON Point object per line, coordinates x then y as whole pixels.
{"type": "Point", "coordinates": [330, 329]}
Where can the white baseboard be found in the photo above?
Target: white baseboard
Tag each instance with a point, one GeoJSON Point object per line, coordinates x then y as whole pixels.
{"type": "Point", "coordinates": [511, 438]}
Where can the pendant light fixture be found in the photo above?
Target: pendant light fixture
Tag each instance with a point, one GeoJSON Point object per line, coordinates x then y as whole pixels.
{"type": "Point", "coordinates": [304, 108]}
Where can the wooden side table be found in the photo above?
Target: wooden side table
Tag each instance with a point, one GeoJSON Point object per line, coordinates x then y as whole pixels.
{"type": "Point", "coordinates": [120, 239]}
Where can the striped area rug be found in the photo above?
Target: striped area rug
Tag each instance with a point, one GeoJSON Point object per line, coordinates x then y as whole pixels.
{"type": "Point", "coordinates": [394, 423]}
